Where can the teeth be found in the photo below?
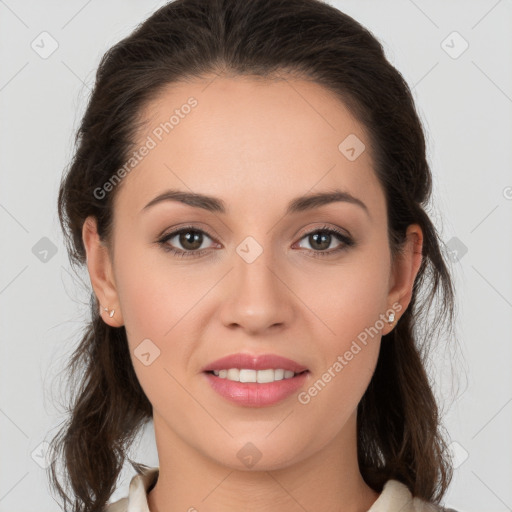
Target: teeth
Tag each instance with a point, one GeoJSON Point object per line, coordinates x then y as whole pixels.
{"type": "Point", "coordinates": [261, 376]}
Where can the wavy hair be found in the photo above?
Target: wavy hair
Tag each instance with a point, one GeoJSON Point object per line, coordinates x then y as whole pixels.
{"type": "Point", "coordinates": [399, 428]}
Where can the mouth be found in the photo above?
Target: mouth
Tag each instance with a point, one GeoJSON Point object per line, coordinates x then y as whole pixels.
{"type": "Point", "coordinates": [250, 388]}
{"type": "Point", "coordinates": [265, 376]}
{"type": "Point", "coordinates": [256, 380]}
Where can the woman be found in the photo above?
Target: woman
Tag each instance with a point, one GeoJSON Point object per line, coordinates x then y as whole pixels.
{"type": "Point", "coordinates": [248, 194]}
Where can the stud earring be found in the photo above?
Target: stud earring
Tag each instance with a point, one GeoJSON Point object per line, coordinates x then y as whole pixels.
{"type": "Point", "coordinates": [110, 314]}
{"type": "Point", "coordinates": [391, 318]}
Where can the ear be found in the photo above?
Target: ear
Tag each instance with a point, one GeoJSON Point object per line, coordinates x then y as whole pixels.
{"type": "Point", "coordinates": [99, 265]}
{"type": "Point", "coordinates": [404, 270]}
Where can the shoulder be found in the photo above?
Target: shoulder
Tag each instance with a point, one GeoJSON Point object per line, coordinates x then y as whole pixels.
{"type": "Point", "coordinates": [136, 500]}
{"type": "Point", "coordinates": [396, 495]}
{"type": "Point", "coordinates": [118, 506]}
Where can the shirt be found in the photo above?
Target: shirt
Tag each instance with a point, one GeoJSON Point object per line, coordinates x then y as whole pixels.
{"type": "Point", "coordinates": [395, 496]}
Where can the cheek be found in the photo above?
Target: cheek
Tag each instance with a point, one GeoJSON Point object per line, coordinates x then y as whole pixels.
{"type": "Point", "coordinates": [153, 295]}
{"type": "Point", "coordinates": [349, 298]}
{"type": "Point", "coordinates": [154, 306]}
{"type": "Point", "coordinates": [159, 302]}
{"type": "Point", "coordinates": [338, 390]}
{"type": "Point", "coordinates": [349, 304]}
{"type": "Point", "coordinates": [348, 359]}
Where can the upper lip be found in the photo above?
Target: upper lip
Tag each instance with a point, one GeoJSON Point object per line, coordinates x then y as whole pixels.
{"type": "Point", "coordinates": [254, 362]}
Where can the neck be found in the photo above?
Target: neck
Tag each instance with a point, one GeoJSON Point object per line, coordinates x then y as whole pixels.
{"type": "Point", "coordinates": [327, 481]}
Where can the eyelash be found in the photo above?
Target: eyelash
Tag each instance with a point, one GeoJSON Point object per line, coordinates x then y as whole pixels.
{"type": "Point", "coordinates": [347, 242]}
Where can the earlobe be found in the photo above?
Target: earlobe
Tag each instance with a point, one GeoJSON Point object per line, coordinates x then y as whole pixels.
{"type": "Point", "coordinates": [99, 265]}
{"type": "Point", "coordinates": [405, 270]}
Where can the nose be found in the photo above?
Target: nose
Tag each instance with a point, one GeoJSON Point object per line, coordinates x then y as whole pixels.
{"type": "Point", "coordinates": [257, 296]}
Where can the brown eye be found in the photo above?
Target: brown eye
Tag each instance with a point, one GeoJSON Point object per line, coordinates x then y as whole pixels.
{"type": "Point", "coordinates": [185, 242]}
{"type": "Point", "coordinates": [321, 239]}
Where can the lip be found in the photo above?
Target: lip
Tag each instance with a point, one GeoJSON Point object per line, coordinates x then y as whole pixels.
{"type": "Point", "coordinates": [253, 394]}
{"type": "Point", "coordinates": [254, 362]}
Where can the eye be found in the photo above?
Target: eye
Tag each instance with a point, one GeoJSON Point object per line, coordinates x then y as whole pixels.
{"type": "Point", "coordinates": [320, 239]}
{"type": "Point", "coordinates": [189, 237]}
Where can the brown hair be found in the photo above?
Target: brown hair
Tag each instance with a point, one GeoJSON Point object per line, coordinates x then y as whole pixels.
{"type": "Point", "coordinates": [399, 426]}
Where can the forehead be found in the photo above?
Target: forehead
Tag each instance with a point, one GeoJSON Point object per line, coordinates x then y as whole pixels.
{"type": "Point", "coordinates": [250, 141]}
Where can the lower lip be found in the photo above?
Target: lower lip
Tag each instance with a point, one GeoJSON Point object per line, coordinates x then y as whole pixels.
{"type": "Point", "coordinates": [253, 394]}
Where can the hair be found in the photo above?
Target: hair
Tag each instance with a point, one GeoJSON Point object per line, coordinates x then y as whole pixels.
{"type": "Point", "coordinates": [399, 427]}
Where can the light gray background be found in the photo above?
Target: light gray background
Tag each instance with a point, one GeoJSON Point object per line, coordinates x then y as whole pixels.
{"type": "Point", "coordinates": [465, 104]}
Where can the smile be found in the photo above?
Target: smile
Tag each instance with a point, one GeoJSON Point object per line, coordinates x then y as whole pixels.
{"type": "Point", "coordinates": [249, 375]}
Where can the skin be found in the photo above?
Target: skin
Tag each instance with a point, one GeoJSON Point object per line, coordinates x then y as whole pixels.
{"type": "Point", "coordinates": [256, 144]}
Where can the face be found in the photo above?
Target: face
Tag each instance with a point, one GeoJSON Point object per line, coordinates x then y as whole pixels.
{"type": "Point", "coordinates": [254, 271]}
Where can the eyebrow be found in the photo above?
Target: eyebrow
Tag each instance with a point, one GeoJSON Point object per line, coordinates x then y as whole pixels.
{"type": "Point", "coordinates": [299, 204]}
